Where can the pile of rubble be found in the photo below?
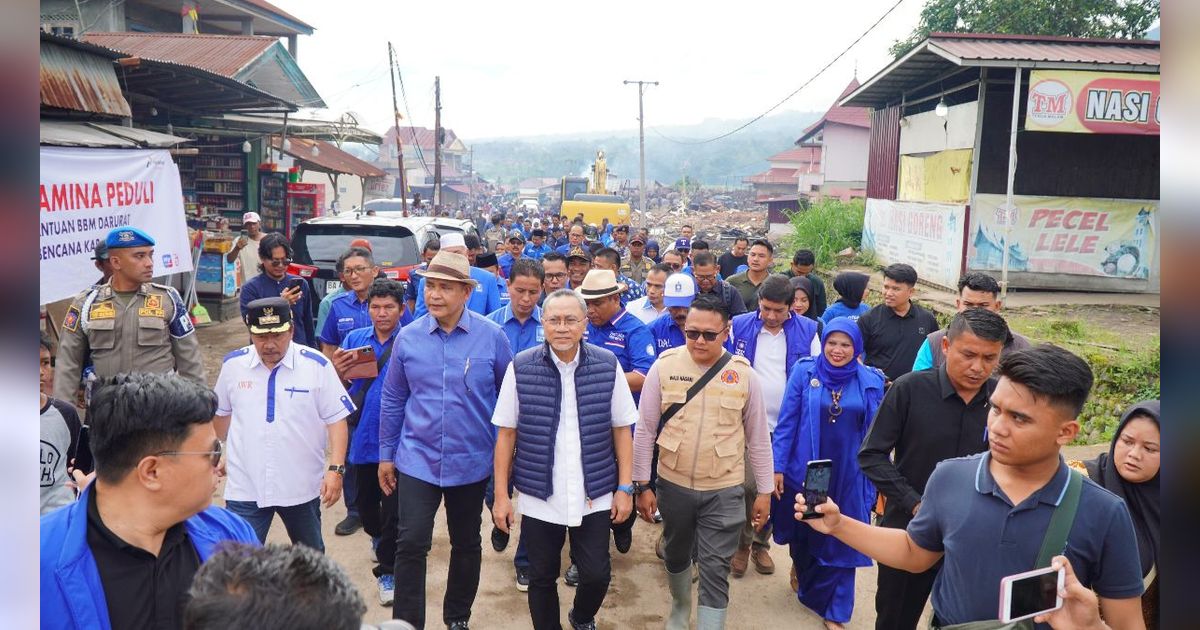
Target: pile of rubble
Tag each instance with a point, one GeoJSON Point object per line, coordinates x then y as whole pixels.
{"type": "Point", "coordinates": [720, 227]}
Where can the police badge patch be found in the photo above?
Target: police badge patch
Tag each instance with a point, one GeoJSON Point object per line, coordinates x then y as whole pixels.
{"type": "Point", "coordinates": [71, 320]}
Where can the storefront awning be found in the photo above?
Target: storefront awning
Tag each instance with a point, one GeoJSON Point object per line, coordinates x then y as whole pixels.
{"type": "Point", "coordinates": [328, 158]}
{"type": "Point", "coordinates": [82, 134]}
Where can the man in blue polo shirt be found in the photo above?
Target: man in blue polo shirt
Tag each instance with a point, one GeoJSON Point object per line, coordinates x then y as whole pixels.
{"type": "Point", "coordinates": [516, 249]}
{"type": "Point", "coordinates": [537, 246]}
{"type": "Point", "coordinates": [376, 510]}
{"type": "Point", "coordinates": [667, 330]}
{"type": "Point", "coordinates": [987, 514]}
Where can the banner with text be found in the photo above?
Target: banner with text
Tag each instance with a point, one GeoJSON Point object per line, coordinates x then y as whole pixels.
{"type": "Point", "coordinates": [1115, 238]}
{"type": "Point", "coordinates": [928, 236]}
{"type": "Point", "coordinates": [1074, 101]}
{"type": "Point", "coordinates": [84, 193]}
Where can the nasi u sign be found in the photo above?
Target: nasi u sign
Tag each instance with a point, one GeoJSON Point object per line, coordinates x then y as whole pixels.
{"type": "Point", "coordinates": [1093, 102]}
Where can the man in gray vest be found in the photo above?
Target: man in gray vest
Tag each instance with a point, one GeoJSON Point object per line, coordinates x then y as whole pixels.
{"type": "Point", "coordinates": [975, 290]}
{"type": "Point", "coordinates": [566, 408]}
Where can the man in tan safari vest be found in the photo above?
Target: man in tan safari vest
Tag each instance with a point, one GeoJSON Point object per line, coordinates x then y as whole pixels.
{"type": "Point", "coordinates": [702, 456]}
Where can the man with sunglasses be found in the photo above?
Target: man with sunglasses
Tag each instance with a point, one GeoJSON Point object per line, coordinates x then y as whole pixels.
{"type": "Point", "coordinates": [123, 555]}
{"type": "Point", "coordinates": [275, 254]}
{"type": "Point", "coordinates": [703, 448]}
{"type": "Point", "coordinates": [281, 405]}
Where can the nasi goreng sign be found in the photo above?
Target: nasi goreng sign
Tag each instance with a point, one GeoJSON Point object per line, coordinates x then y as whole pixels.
{"type": "Point", "coordinates": [1092, 102]}
{"type": "Point", "coordinates": [85, 193]}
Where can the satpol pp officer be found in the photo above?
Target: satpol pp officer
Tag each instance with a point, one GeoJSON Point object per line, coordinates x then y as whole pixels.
{"type": "Point", "coordinates": [127, 324]}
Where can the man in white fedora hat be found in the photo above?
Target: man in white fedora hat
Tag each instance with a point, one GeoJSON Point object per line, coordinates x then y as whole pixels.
{"type": "Point", "coordinates": [485, 296]}
{"type": "Point", "coordinates": [435, 434]}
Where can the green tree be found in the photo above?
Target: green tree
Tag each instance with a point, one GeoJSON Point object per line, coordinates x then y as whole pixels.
{"type": "Point", "coordinates": [1127, 19]}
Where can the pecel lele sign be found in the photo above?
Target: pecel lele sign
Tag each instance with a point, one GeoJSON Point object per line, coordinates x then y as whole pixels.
{"type": "Point", "coordinates": [1073, 101]}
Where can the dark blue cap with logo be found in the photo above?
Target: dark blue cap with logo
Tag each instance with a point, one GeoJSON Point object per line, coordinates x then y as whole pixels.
{"type": "Point", "coordinates": [127, 237]}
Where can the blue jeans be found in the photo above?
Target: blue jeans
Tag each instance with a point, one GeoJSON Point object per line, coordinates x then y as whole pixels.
{"type": "Point", "coordinates": [303, 522]}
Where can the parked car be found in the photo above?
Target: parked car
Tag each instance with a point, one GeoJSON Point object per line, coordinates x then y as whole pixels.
{"type": "Point", "coordinates": [396, 243]}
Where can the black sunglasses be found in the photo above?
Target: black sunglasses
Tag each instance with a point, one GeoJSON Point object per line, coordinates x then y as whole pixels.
{"type": "Point", "coordinates": [696, 334]}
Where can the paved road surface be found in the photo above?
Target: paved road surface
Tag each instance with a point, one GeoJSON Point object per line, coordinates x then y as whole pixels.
{"type": "Point", "coordinates": [637, 597]}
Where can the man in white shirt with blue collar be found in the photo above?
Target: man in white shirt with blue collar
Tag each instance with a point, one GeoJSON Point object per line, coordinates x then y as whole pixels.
{"type": "Point", "coordinates": [279, 405]}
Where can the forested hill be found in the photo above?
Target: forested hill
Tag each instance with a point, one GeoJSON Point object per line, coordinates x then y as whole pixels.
{"type": "Point", "coordinates": [720, 163]}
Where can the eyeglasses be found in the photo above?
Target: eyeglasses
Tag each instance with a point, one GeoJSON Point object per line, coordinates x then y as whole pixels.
{"type": "Point", "coordinates": [675, 266]}
{"type": "Point", "coordinates": [555, 276]}
{"type": "Point", "coordinates": [706, 277]}
{"type": "Point", "coordinates": [708, 335]}
{"type": "Point", "coordinates": [559, 322]}
{"type": "Point", "coordinates": [279, 262]}
{"type": "Point", "coordinates": [214, 455]}
{"type": "Point", "coordinates": [353, 271]}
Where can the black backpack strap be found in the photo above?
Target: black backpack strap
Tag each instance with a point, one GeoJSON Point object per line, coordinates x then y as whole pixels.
{"type": "Point", "coordinates": [693, 390]}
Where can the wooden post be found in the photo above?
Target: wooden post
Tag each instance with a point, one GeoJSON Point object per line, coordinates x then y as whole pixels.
{"type": "Point", "coordinates": [399, 146]}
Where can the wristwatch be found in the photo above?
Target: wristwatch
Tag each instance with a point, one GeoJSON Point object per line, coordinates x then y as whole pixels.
{"type": "Point", "coordinates": [639, 487]}
{"type": "Point", "coordinates": [338, 468]}
{"type": "Point", "coordinates": [627, 488]}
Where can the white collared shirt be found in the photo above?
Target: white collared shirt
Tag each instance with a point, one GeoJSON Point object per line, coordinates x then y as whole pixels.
{"type": "Point", "coordinates": [770, 363]}
{"type": "Point", "coordinates": [642, 309]}
{"type": "Point", "coordinates": [568, 504]}
{"type": "Point", "coordinates": [277, 434]}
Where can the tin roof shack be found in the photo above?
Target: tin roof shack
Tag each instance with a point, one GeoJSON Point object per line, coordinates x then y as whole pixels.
{"type": "Point", "coordinates": [1061, 193]}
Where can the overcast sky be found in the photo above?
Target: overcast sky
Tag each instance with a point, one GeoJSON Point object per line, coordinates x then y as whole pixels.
{"type": "Point", "coordinates": [549, 67]}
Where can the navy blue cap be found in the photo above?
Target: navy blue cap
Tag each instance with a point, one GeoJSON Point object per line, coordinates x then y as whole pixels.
{"type": "Point", "coordinates": [127, 237]}
{"type": "Point", "coordinates": [683, 243]}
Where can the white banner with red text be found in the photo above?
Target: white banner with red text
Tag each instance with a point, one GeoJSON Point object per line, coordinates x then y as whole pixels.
{"type": "Point", "coordinates": [85, 193]}
{"type": "Point", "coordinates": [928, 236]}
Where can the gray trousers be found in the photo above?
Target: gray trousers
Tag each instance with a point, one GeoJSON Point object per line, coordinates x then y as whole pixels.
{"type": "Point", "coordinates": [761, 538]}
{"type": "Point", "coordinates": [708, 521]}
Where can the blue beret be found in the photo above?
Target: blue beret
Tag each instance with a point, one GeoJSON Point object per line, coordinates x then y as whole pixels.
{"type": "Point", "coordinates": [128, 237]}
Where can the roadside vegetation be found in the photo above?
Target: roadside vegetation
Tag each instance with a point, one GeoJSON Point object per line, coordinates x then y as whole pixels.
{"type": "Point", "coordinates": [827, 227]}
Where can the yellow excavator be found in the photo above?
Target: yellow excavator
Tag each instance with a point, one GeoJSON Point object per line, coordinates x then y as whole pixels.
{"type": "Point", "coordinates": [590, 197]}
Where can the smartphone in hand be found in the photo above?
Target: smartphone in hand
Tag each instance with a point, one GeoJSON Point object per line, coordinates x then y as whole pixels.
{"type": "Point", "coordinates": [816, 486]}
{"type": "Point", "coordinates": [1031, 593]}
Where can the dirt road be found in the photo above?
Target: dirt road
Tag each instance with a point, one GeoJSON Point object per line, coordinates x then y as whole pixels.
{"type": "Point", "coordinates": [637, 597]}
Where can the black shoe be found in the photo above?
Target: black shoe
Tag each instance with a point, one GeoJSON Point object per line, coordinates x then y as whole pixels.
{"type": "Point", "coordinates": [499, 539]}
{"type": "Point", "coordinates": [572, 575]}
{"type": "Point", "coordinates": [458, 625]}
{"type": "Point", "coordinates": [591, 625]}
{"type": "Point", "coordinates": [623, 538]}
{"type": "Point", "coordinates": [523, 579]}
{"type": "Point", "coordinates": [348, 526]}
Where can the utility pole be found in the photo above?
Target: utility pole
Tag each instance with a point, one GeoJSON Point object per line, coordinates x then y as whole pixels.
{"type": "Point", "coordinates": [399, 146]}
{"type": "Point", "coordinates": [642, 151]}
{"type": "Point", "coordinates": [474, 206]}
{"type": "Point", "coordinates": [437, 142]}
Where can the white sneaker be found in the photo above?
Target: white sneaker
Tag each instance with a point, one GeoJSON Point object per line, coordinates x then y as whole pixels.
{"type": "Point", "coordinates": [387, 589]}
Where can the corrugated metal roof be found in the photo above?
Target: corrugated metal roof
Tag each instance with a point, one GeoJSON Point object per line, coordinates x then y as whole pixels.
{"type": "Point", "coordinates": [775, 176]}
{"type": "Point", "coordinates": [226, 55]}
{"type": "Point", "coordinates": [807, 154]}
{"type": "Point", "coordinates": [79, 134]}
{"type": "Point", "coordinates": [987, 47]}
{"type": "Point", "coordinates": [267, 6]}
{"type": "Point", "coordinates": [943, 54]}
{"type": "Point", "coordinates": [329, 158]}
{"type": "Point", "coordinates": [80, 81]}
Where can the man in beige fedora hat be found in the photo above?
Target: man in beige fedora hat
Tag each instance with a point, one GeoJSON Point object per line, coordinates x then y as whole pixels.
{"type": "Point", "coordinates": [436, 438]}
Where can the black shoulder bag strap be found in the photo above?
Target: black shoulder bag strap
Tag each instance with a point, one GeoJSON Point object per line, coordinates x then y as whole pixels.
{"type": "Point", "coordinates": [361, 395]}
{"type": "Point", "coordinates": [1055, 542]}
{"type": "Point", "coordinates": [693, 390]}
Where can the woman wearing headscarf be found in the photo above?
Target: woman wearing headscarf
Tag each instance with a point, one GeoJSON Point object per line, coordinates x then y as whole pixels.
{"type": "Point", "coordinates": [652, 251]}
{"type": "Point", "coordinates": [1130, 470]}
{"type": "Point", "coordinates": [803, 304]}
{"type": "Point", "coordinates": [852, 287]}
{"type": "Point", "coordinates": [827, 408]}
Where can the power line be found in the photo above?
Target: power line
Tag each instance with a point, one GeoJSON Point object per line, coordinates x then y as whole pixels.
{"type": "Point", "coordinates": [411, 128]}
{"type": "Point", "coordinates": [794, 92]}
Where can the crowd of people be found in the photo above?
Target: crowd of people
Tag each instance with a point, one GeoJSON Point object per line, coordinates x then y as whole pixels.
{"type": "Point", "coordinates": [570, 382]}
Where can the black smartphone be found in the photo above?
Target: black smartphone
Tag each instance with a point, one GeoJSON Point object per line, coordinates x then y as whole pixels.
{"type": "Point", "coordinates": [83, 451]}
{"type": "Point", "coordinates": [816, 486]}
{"type": "Point", "coordinates": [296, 282]}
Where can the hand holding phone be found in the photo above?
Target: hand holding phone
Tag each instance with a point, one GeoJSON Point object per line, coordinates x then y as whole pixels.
{"type": "Point", "coordinates": [816, 486]}
{"type": "Point", "coordinates": [364, 364]}
{"type": "Point", "coordinates": [1031, 593]}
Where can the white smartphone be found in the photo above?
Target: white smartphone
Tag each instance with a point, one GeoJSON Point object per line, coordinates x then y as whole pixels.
{"type": "Point", "coordinates": [1031, 593]}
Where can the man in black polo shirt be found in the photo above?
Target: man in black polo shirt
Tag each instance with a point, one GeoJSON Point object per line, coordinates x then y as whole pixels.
{"type": "Point", "coordinates": [893, 331]}
{"type": "Point", "coordinates": [928, 417]}
{"type": "Point", "coordinates": [985, 516]}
